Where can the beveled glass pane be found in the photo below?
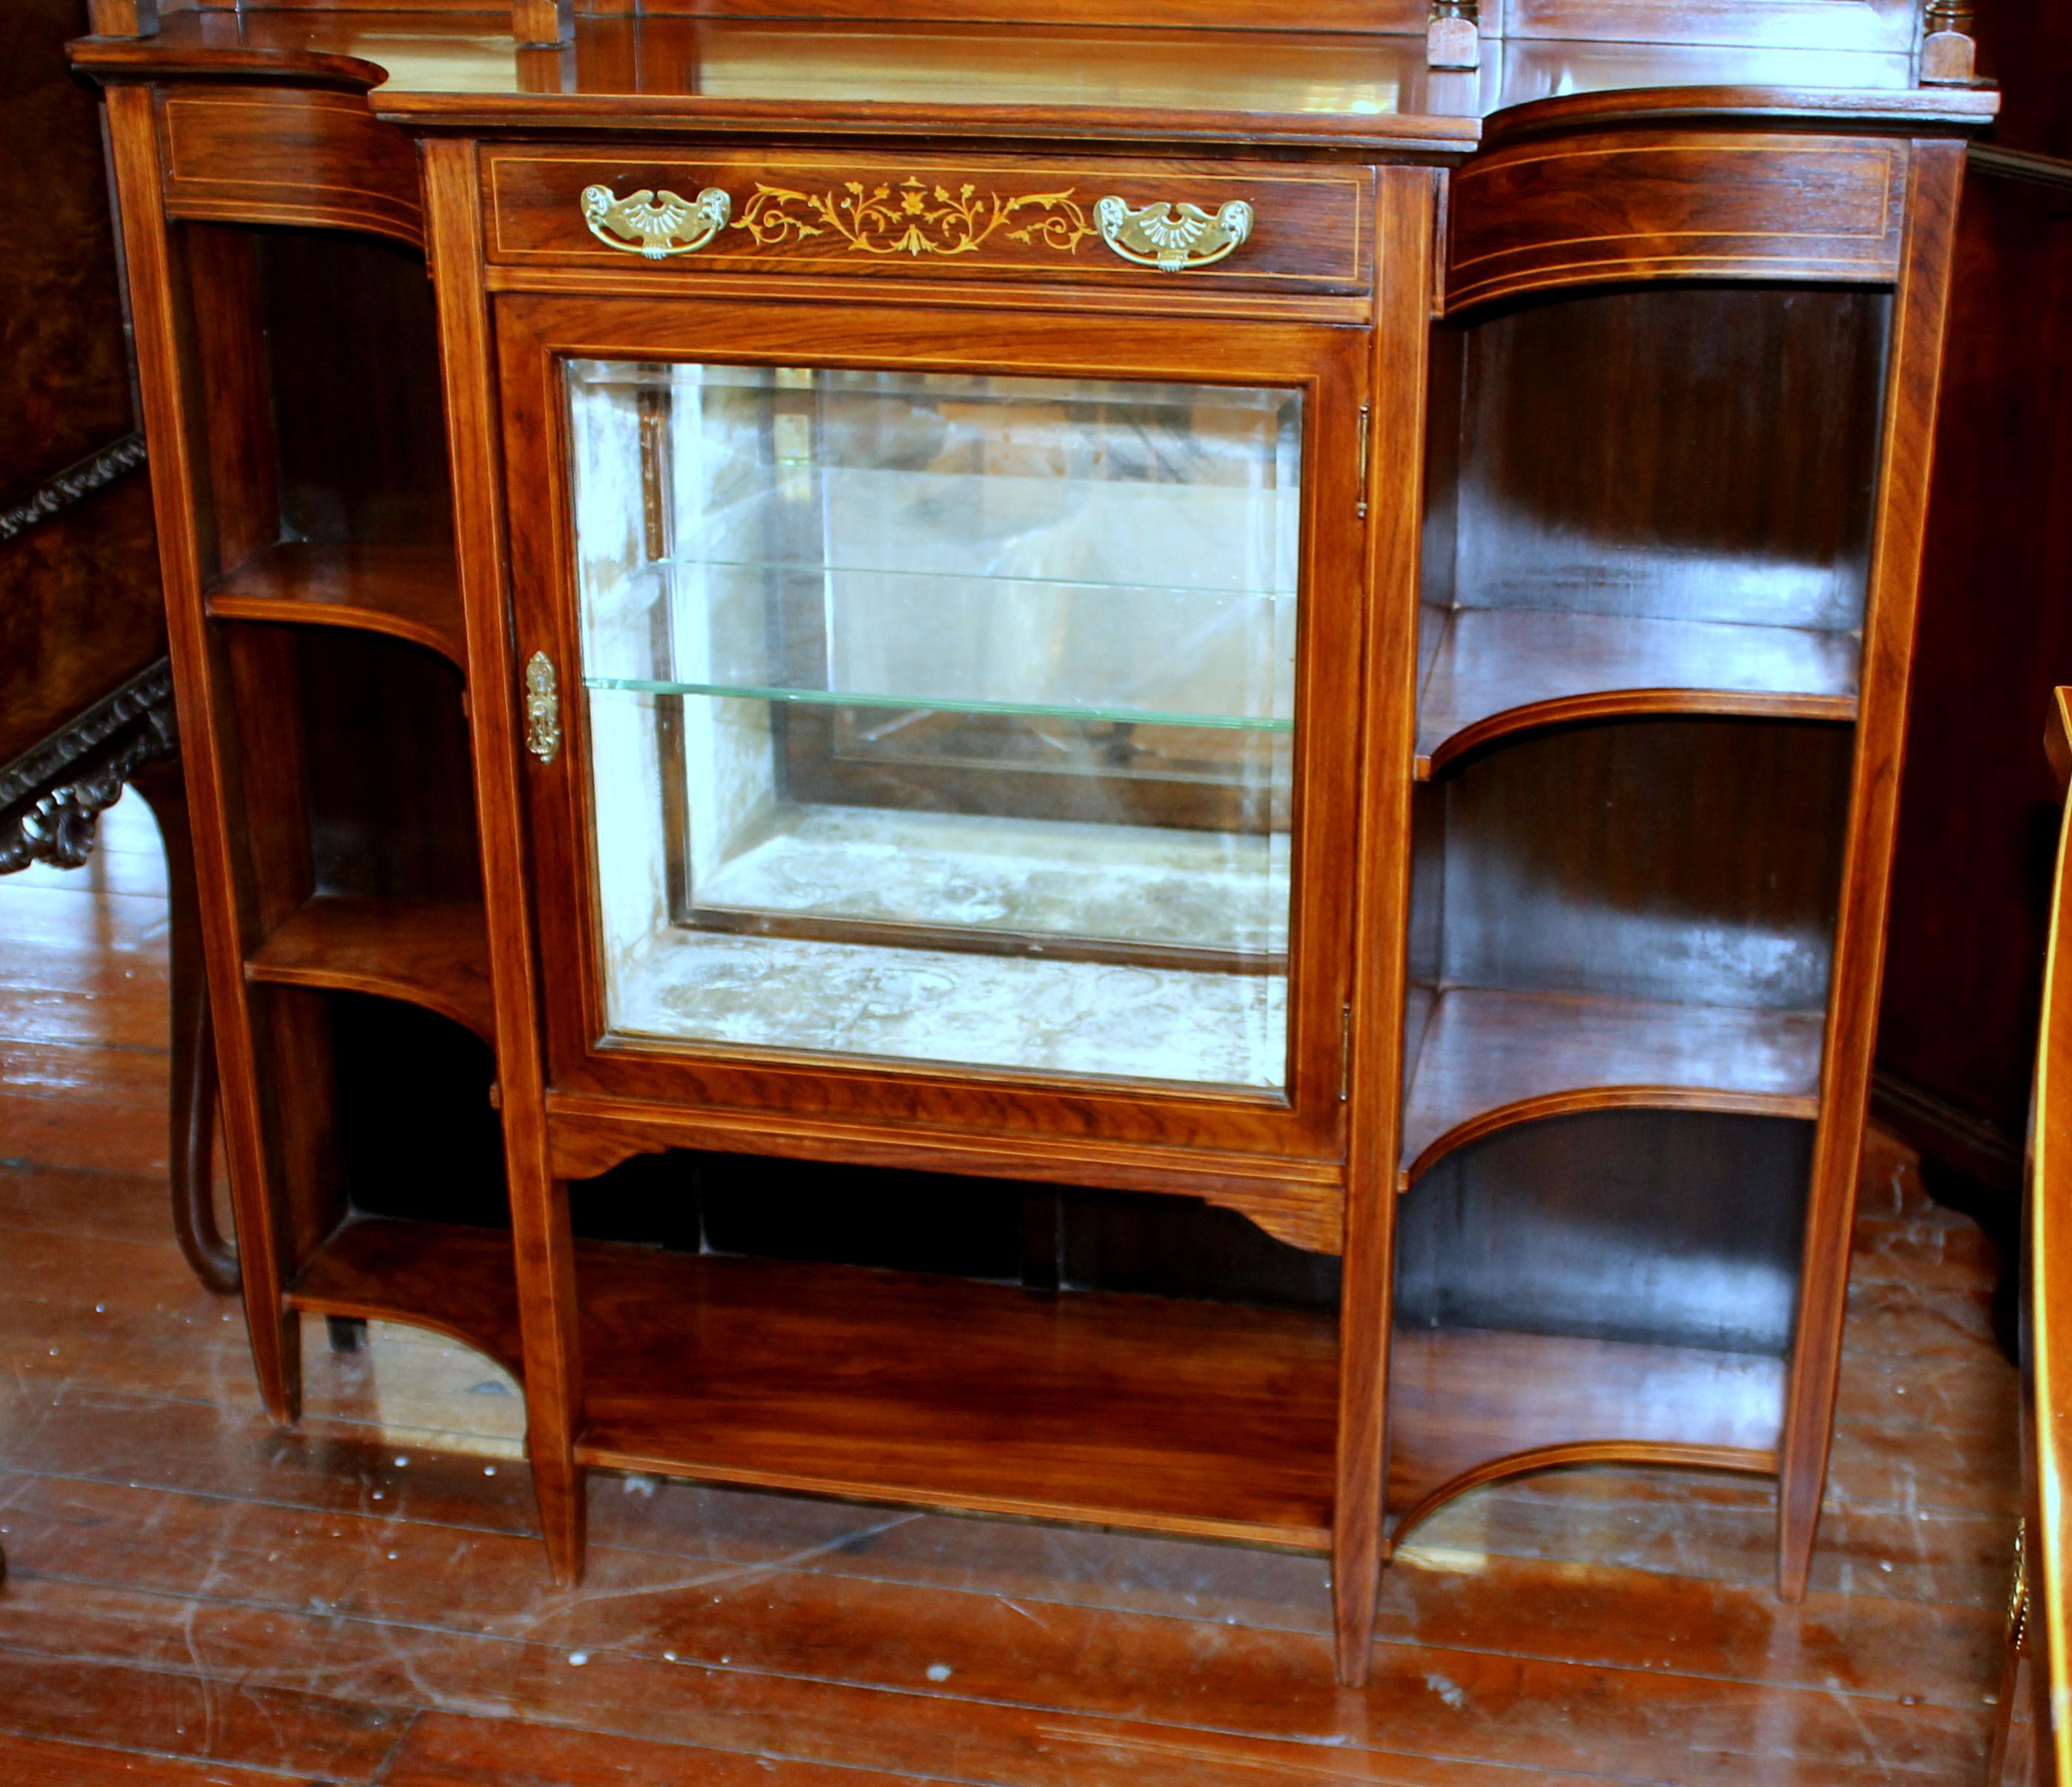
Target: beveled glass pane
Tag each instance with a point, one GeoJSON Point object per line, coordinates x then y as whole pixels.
{"type": "Point", "coordinates": [942, 717]}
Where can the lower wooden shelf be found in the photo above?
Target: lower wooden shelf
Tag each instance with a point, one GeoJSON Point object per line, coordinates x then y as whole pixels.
{"type": "Point", "coordinates": [1467, 1405]}
{"type": "Point", "coordinates": [429, 953]}
{"type": "Point", "coordinates": [1150, 1413]}
{"type": "Point", "coordinates": [1490, 1057]}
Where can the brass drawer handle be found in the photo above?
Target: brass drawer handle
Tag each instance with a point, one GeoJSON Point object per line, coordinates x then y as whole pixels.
{"type": "Point", "coordinates": [1173, 238]}
{"type": "Point", "coordinates": [655, 226]}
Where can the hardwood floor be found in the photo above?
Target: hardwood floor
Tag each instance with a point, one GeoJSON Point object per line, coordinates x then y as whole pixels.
{"type": "Point", "coordinates": [195, 1598]}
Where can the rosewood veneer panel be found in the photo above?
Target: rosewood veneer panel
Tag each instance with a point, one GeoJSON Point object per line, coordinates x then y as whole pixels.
{"type": "Point", "coordinates": [256, 157]}
{"type": "Point", "coordinates": [1647, 204]}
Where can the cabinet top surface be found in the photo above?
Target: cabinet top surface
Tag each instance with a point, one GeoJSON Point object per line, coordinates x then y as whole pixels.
{"type": "Point", "coordinates": [842, 76]}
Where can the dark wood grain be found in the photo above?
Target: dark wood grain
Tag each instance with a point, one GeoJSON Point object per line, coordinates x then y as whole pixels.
{"type": "Point", "coordinates": [1661, 1227]}
{"type": "Point", "coordinates": [1375, 1028]}
{"type": "Point", "coordinates": [1957, 1017]}
{"type": "Point", "coordinates": [80, 612]}
{"type": "Point", "coordinates": [169, 1545]}
{"type": "Point", "coordinates": [769, 1373]}
{"type": "Point", "coordinates": [429, 954]}
{"type": "Point", "coordinates": [1608, 464]}
{"type": "Point", "coordinates": [1619, 454]}
{"type": "Point", "coordinates": [1644, 859]}
{"type": "Point", "coordinates": [179, 453]}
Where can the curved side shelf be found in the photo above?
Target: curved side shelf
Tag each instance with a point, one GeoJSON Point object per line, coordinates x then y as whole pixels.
{"type": "Point", "coordinates": [1470, 1405]}
{"type": "Point", "coordinates": [1496, 671]}
{"type": "Point", "coordinates": [407, 592]}
{"type": "Point", "coordinates": [1582, 1452]}
{"type": "Point", "coordinates": [434, 955]}
{"type": "Point", "coordinates": [1492, 1057]}
{"type": "Point", "coordinates": [459, 1282]}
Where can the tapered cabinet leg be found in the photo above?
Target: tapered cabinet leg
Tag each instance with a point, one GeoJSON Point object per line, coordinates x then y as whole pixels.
{"type": "Point", "coordinates": [560, 1486]}
{"type": "Point", "coordinates": [181, 449]}
{"type": "Point", "coordinates": [1920, 310]}
{"type": "Point", "coordinates": [1363, 1361]}
{"type": "Point", "coordinates": [543, 1250]}
{"type": "Point", "coordinates": [1404, 222]}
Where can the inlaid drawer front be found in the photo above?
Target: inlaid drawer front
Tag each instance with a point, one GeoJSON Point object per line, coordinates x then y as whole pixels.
{"type": "Point", "coordinates": [1289, 227]}
{"type": "Point", "coordinates": [1622, 205]}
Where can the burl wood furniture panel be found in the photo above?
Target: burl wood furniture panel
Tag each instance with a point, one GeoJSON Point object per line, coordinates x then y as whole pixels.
{"type": "Point", "coordinates": [1584, 451]}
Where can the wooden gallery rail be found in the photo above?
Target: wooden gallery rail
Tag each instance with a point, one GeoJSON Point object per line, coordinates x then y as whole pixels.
{"type": "Point", "coordinates": [1269, 655]}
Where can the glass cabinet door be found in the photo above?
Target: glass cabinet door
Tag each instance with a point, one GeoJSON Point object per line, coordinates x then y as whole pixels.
{"type": "Point", "coordinates": [939, 716]}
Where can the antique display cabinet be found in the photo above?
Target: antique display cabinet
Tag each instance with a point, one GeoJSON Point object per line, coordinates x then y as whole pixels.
{"type": "Point", "coordinates": [1282, 642]}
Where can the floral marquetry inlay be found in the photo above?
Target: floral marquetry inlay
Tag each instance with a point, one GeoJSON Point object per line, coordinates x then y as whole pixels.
{"type": "Point", "coordinates": [915, 217]}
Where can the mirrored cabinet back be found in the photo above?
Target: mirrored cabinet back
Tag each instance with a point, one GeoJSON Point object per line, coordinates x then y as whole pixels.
{"type": "Point", "coordinates": [1134, 765]}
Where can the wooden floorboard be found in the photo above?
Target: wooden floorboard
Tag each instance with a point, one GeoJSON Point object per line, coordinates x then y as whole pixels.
{"type": "Point", "coordinates": [195, 1597]}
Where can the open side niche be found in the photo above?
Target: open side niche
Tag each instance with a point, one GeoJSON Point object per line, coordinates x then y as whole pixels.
{"type": "Point", "coordinates": [320, 356]}
{"type": "Point", "coordinates": [1649, 500]}
{"type": "Point", "coordinates": [359, 820]}
{"type": "Point", "coordinates": [1615, 1285]}
{"type": "Point", "coordinates": [1633, 913]}
{"type": "Point", "coordinates": [391, 1144]}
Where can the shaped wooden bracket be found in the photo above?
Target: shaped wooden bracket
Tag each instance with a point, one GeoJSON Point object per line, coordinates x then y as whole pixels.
{"type": "Point", "coordinates": [1949, 52]}
{"type": "Point", "coordinates": [1453, 38]}
{"type": "Point", "coordinates": [543, 24]}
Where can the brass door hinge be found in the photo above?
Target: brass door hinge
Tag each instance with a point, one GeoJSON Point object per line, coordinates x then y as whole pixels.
{"type": "Point", "coordinates": [2017, 1607]}
{"type": "Point", "coordinates": [543, 709]}
{"type": "Point", "coordinates": [1366, 426]}
{"type": "Point", "coordinates": [1345, 1054]}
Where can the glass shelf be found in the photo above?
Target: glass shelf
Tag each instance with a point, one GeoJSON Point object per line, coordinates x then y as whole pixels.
{"type": "Point", "coordinates": [979, 640]}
